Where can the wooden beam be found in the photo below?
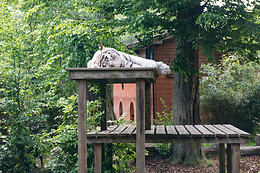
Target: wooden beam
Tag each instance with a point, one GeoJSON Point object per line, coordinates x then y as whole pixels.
{"type": "Point", "coordinates": [147, 105]}
{"type": "Point", "coordinates": [229, 158]}
{"type": "Point", "coordinates": [82, 129]}
{"type": "Point", "coordinates": [113, 75]}
{"type": "Point", "coordinates": [221, 155]}
{"type": "Point", "coordinates": [103, 120]}
{"type": "Point", "coordinates": [140, 126]}
{"type": "Point", "coordinates": [236, 158]}
{"type": "Point", "coordinates": [98, 158]}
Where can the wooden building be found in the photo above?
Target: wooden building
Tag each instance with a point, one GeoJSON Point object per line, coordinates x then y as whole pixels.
{"type": "Point", "coordinates": [124, 94]}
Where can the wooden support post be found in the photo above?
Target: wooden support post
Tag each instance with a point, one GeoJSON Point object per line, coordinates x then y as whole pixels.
{"type": "Point", "coordinates": [147, 105]}
{"type": "Point", "coordinates": [103, 88]}
{"type": "Point", "coordinates": [221, 156]}
{"type": "Point", "coordinates": [82, 129]}
{"type": "Point", "coordinates": [236, 158]}
{"type": "Point", "coordinates": [140, 126]}
{"type": "Point", "coordinates": [98, 158]}
{"type": "Point", "coordinates": [229, 158]}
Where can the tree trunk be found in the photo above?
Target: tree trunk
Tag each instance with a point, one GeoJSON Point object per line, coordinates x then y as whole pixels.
{"type": "Point", "coordinates": [186, 104]}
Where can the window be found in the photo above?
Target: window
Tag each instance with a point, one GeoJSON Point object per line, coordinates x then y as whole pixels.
{"type": "Point", "coordinates": [120, 108]}
{"type": "Point", "coordinates": [132, 112]}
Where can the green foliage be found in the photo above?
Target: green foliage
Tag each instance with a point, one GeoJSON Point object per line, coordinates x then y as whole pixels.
{"type": "Point", "coordinates": [64, 140]}
{"type": "Point", "coordinates": [94, 114]}
{"type": "Point", "coordinates": [64, 149]}
{"type": "Point", "coordinates": [237, 30]}
{"type": "Point", "coordinates": [164, 118]}
{"type": "Point", "coordinates": [124, 154]}
{"type": "Point", "coordinates": [20, 147]}
{"type": "Point", "coordinates": [230, 92]}
{"type": "Point", "coordinates": [214, 25]}
{"type": "Point", "coordinates": [38, 41]}
{"type": "Point", "coordinates": [124, 157]}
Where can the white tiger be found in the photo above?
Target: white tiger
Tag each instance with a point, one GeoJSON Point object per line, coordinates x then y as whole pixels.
{"type": "Point", "coordinates": [109, 57]}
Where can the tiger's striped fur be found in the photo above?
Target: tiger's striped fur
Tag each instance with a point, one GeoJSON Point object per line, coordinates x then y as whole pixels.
{"type": "Point", "coordinates": [109, 57]}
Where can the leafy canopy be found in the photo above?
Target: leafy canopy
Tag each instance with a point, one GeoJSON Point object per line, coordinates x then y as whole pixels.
{"type": "Point", "coordinates": [215, 25]}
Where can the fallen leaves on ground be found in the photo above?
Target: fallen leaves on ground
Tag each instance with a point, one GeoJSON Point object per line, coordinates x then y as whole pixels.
{"type": "Point", "coordinates": [249, 164]}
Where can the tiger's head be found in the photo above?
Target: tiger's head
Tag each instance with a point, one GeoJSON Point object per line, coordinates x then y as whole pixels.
{"type": "Point", "coordinates": [106, 57]}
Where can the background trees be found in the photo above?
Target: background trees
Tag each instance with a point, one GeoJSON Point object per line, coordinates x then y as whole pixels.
{"type": "Point", "coordinates": [39, 39]}
{"type": "Point", "coordinates": [230, 92]}
{"type": "Point", "coordinates": [214, 25]}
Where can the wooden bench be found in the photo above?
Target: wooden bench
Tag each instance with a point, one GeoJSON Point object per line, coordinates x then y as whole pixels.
{"type": "Point", "coordinates": [143, 132]}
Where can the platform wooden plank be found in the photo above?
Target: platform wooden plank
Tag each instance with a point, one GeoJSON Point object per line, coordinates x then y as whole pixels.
{"type": "Point", "coordinates": [237, 130]}
{"type": "Point", "coordinates": [170, 130]}
{"type": "Point", "coordinates": [106, 132]}
{"type": "Point", "coordinates": [92, 133]}
{"type": "Point", "coordinates": [229, 132]}
{"type": "Point", "coordinates": [129, 130]}
{"type": "Point", "coordinates": [160, 130]}
{"type": "Point", "coordinates": [182, 131]}
{"type": "Point", "coordinates": [134, 132]}
{"type": "Point", "coordinates": [118, 130]}
{"type": "Point", "coordinates": [150, 132]}
{"type": "Point", "coordinates": [204, 131]}
{"type": "Point", "coordinates": [216, 131]}
{"type": "Point", "coordinates": [193, 131]}
{"type": "Point", "coordinates": [114, 75]}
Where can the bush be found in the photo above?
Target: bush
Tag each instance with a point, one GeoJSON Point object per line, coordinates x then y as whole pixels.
{"type": "Point", "coordinates": [230, 92]}
{"type": "Point", "coordinates": [64, 140]}
{"type": "Point", "coordinates": [164, 118]}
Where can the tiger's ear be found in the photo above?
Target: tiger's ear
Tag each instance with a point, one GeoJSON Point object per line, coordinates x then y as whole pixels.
{"type": "Point", "coordinates": [100, 47]}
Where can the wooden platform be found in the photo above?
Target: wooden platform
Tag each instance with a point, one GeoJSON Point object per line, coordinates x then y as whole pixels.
{"type": "Point", "coordinates": [171, 134]}
{"type": "Point", "coordinates": [113, 75]}
{"type": "Point", "coordinates": [143, 132]}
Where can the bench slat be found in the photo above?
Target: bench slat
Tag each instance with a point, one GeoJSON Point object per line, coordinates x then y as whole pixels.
{"type": "Point", "coordinates": [134, 132]}
{"type": "Point", "coordinates": [118, 130]}
{"type": "Point", "coordinates": [106, 132]}
{"type": "Point", "coordinates": [129, 130]}
{"type": "Point", "coordinates": [237, 130]}
{"type": "Point", "coordinates": [151, 131]}
{"type": "Point", "coordinates": [160, 130]}
{"type": "Point", "coordinates": [230, 133]}
{"type": "Point", "coordinates": [182, 131]}
{"type": "Point", "coordinates": [204, 131]}
{"type": "Point", "coordinates": [92, 133]}
{"type": "Point", "coordinates": [193, 131]}
{"type": "Point", "coordinates": [170, 130]}
{"type": "Point", "coordinates": [217, 132]}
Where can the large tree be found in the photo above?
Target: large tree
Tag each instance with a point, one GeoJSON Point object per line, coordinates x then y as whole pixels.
{"type": "Point", "coordinates": [224, 25]}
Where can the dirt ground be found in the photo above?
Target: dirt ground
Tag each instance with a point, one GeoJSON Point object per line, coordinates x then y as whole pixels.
{"type": "Point", "coordinates": [155, 164]}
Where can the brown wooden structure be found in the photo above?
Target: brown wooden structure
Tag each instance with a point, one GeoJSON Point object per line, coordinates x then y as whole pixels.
{"type": "Point", "coordinates": [143, 132]}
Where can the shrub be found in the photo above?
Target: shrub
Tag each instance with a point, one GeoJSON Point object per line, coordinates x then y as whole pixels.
{"type": "Point", "coordinates": [64, 139]}
{"type": "Point", "coordinates": [230, 92]}
{"type": "Point", "coordinates": [164, 118]}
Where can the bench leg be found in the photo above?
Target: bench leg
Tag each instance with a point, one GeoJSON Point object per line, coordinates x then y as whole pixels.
{"type": "Point", "coordinates": [221, 158]}
{"type": "Point", "coordinates": [82, 121]}
{"type": "Point", "coordinates": [98, 158]}
{"type": "Point", "coordinates": [236, 158]}
{"type": "Point", "coordinates": [147, 105]}
{"type": "Point", "coordinates": [140, 126]}
{"type": "Point", "coordinates": [229, 158]}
